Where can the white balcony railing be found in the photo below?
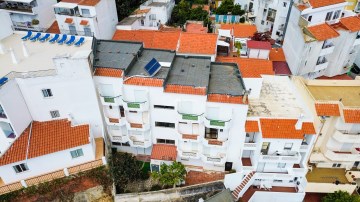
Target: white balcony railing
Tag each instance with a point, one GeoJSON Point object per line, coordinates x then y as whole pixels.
{"type": "Point", "coordinates": [280, 158]}
{"type": "Point", "coordinates": [327, 49]}
{"type": "Point", "coordinates": [217, 160]}
{"type": "Point", "coordinates": [143, 142]}
{"type": "Point", "coordinates": [189, 154]}
{"type": "Point", "coordinates": [344, 137]}
{"type": "Point", "coordinates": [304, 148]}
{"type": "Point", "coordinates": [137, 126]}
{"type": "Point", "coordinates": [343, 156]}
{"type": "Point", "coordinates": [321, 65]}
{"type": "Point", "coordinates": [219, 124]}
{"type": "Point", "coordinates": [189, 137]}
{"type": "Point", "coordinates": [136, 106]}
{"type": "Point", "coordinates": [114, 121]}
{"type": "Point", "coordinates": [250, 146]}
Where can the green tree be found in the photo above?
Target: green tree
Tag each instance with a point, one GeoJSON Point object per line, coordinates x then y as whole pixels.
{"type": "Point", "coordinates": [171, 174]}
{"type": "Point", "coordinates": [237, 10]}
{"type": "Point", "coordinates": [340, 196]}
{"type": "Point", "coordinates": [225, 7]}
{"type": "Point", "coordinates": [124, 169]}
{"type": "Point", "coordinates": [125, 7]}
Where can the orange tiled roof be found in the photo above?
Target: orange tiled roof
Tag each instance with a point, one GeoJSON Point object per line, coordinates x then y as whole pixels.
{"type": "Point", "coordinates": [284, 129]}
{"type": "Point", "coordinates": [351, 23]}
{"type": "Point", "coordinates": [89, 2]}
{"type": "Point", "coordinates": [46, 138]}
{"type": "Point", "coordinates": [225, 98]}
{"type": "Point", "coordinates": [323, 32]}
{"type": "Point", "coordinates": [205, 7]}
{"type": "Point", "coordinates": [250, 68]}
{"type": "Point", "coordinates": [141, 11]}
{"type": "Point", "coordinates": [138, 81]}
{"type": "Point", "coordinates": [198, 43]}
{"type": "Point", "coordinates": [302, 7]}
{"type": "Point", "coordinates": [108, 72]}
{"type": "Point", "coordinates": [54, 28]}
{"type": "Point", "coordinates": [241, 30]}
{"type": "Point", "coordinates": [277, 55]}
{"type": "Point", "coordinates": [351, 115]}
{"type": "Point", "coordinates": [185, 89]}
{"type": "Point", "coordinates": [164, 152]}
{"type": "Point", "coordinates": [251, 126]}
{"type": "Point", "coordinates": [196, 28]}
{"type": "Point", "coordinates": [322, 3]}
{"type": "Point", "coordinates": [325, 109]}
{"type": "Point", "coordinates": [84, 22]}
{"type": "Point", "coordinates": [69, 20]}
{"type": "Point", "coordinates": [167, 40]}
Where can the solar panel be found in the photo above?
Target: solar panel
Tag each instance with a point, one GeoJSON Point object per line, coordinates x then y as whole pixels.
{"type": "Point", "coordinates": [152, 67]}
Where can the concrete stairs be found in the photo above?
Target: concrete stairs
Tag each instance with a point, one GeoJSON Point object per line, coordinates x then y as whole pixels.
{"type": "Point", "coordinates": [245, 184]}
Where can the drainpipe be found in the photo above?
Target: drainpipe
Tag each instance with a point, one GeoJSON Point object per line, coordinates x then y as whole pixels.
{"type": "Point", "coordinates": [287, 18]}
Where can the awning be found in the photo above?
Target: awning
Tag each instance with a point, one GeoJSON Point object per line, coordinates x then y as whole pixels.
{"type": "Point", "coordinates": [84, 22]}
{"type": "Point", "coordinates": [69, 20]}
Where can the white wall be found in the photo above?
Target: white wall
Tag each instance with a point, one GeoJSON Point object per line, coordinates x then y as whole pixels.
{"type": "Point", "coordinates": [261, 196]}
{"type": "Point", "coordinates": [45, 12]}
{"type": "Point", "coordinates": [5, 22]}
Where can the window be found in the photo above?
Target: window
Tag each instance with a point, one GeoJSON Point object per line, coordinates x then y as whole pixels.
{"type": "Point", "coordinates": [262, 22]}
{"type": "Point", "coordinates": [288, 146]}
{"type": "Point", "coordinates": [142, 22]}
{"type": "Point", "coordinates": [165, 141]}
{"type": "Point", "coordinates": [328, 16]}
{"type": "Point", "coordinates": [336, 14]}
{"type": "Point", "coordinates": [309, 18]}
{"type": "Point", "coordinates": [164, 124]}
{"type": "Point", "coordinates": [284, 4]}
{"type": "Point", "coordinates": [163, 107]}
{"type": "Point", "coordinates": [20, 168]}
{"type": "Point", "coordinates": [135, 112]}
{"type": "Point", "coordinates": [265, 148]}
{"type": "Point", "coordinates": [76, 153]}
{"type": "Point", "coordinates": [336, 165]}
{"type": "Point", "coordinates": [87, 31]}
{"type": "Point", "coordinates": [55, 114]}
{"type": "Point", "coordinates": [122, 112]}
{"type": "Point", "coordinates": [85, 12]}
{"type": "Point", "coordinates": [126, 144]}
{"type": "Point", "coordinates": [47, 92]}
{"type": "Point", "coordinates": [152, 17]}
{"type": "Point", "coordinates": [281, 165]}
{"type": "Point", "coordinates": [211, 133]}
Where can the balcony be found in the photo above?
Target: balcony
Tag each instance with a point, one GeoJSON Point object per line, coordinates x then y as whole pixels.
{"type": "Point", "coordinates": [136, 106]}
{"type": "Point", "coordinates": [143, 140]}
{"type": "Point", "coordinates": [22, 8]}
{"type": "Point", "coordinates": [304, 147]}
{"type": "Point", "coordinates": [186, 155]}
{"type": "Point", "coordinates": [219, 159]}
{"type": "Point", "coordinates": [114, 121]}
{"type": "Point", "coordinates": [214, 143]}
{"type": "Point", "coordinates": [321, 64]}
{"type": "Point", "coordinates": [327, 49]}
{"type": "Point", "coordinates": [337, 156]}
{"type": "Point", "coordinates": [219, 124]}
{"type": "Point", "coordinates": [284, 158]}
{"type": "Point", "coordinates": [109, 100]}
{"type": "Point", "coordinates": [137, 126]}
{"type": "Point", "coordinates": [357, 40]}
{"type": "Point", "coordinates": [189, 137]}
{"type": "Point", "coordinates": [190, 118]}
{"type": "Point", "coordinates": [303, 22]}
{"type": "Point", "coordinates": [346, 137]}
{"type": "Point", "coordinates": [21, 26]}
{"type": "Point", "coordinates": [250, 146]}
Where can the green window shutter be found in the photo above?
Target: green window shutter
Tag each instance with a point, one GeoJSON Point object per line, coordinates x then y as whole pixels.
{"type": "Point", "coordinates": [109, 99]}
{"type": "Point", "coordinates": [190, 117]}
{"type": "Point", "coordinates": [133, 105]}
{"type": "Point", "coordinates": [217, 123]}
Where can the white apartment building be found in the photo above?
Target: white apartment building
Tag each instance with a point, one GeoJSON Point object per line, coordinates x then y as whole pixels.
{"type": "Point", "coordinates": [200, 113]}
{"type": "Point", "coordinates": [150, 15]}
{"type": "Point", "coordinates": [34, 15]}
{"type": "Point", "coordinates": [96, 18]}
{"type": "Point", "coordinates": [327, 39]}
{"type": "Point", "coordinates": [49, 113]}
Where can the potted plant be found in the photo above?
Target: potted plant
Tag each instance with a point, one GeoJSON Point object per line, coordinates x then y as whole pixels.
{"type": "Point", "coordinates": [35, 21]}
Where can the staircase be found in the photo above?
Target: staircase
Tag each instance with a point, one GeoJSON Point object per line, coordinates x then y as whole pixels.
{"type": "Point", "coordinates": [244, 185]}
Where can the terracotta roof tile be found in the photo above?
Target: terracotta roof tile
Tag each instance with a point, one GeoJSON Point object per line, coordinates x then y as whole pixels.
{"type": "Point", "coordinates": [351, 115]}
{"type": "Point", "coordinates": [277, 55]}
{"type": "Point", "coordinates": [164, 152]}
{"type": "Point", "coordinates": [322, 3]}
{"type": "Point", "coordinates": [351, 23]}
{"type": "Point", "coordinates": [265, 45]}
{"type": "Point", "coordinates": [241, 30]}
{"type": "Point", "coordinates": [89, 2]}
{"type": "Point", "coordinates": [54, 28]}
{"type": "Point", "coordinates": [302, 7]}
{"type": "Point", "coordinates": [84, 22]}
{"type": "Point", "coordinates": [323, 32]}
{"type": "Point", "coordinates": [325, 109]}
{"type": "Point", "coordinates": [69, 20]}
{"type": "Point", "coordinates": [196, 28]}
{"type": "Point", "coordinates": [198, 43]}
{"type": "Point", "coordinates": [46, 138]}
{"type": "Point", "coordinates": [167, 40]}
{"type": "Point", "coordinates": [284, 129]}
{"type": "Point", "coordinates": [281, 68]}
{"type": "Point", "coordinates": [108, 72]}
{"type": "Point", "coordinates": [138, 81]}
{"type": "Point", "coordinates": [250, 68]}
{"type": "Point", "coordinates": [225, 99]}
{"type": "Point", "coordinates": [185, 89]}
{"type": "Point", "coordinates": [251, 126]}
{"type": "Point", "coordinates": [141, 11]}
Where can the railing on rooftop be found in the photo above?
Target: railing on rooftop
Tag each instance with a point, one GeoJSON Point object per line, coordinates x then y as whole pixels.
{"type": "Point", "coordinates": [76, 32]}
{"type": "Point", "coordinates": [30, 74]}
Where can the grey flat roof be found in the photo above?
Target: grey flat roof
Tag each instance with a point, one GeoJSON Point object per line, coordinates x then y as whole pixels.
{"type": "Point", "coordinates": [190, 71]}
{"type": "Point", "coordinates": [225, 79]}
{"type": "Point", "coordinates": [144, 59]}
{"type": "Point", "coordinates": [224, 196]}
{"type": "Point", "coordinates": [157, 4]}
{"type": "Point", "coordinates": [128, 21]}
{"type": "Point", "coordinates": [115, 54]}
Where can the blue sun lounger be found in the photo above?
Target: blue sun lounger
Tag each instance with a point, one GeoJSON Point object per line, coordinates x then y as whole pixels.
{"type": "Point", "coordinates": [36, 37]}
{"type": "Point", "coordinates": [62, 40]}
{"type": "Point", "coordinates": [71, 41]}
{"type": "Point", "coordinates": [45, 38]}
{"type": "Point", "coordinates": [80, 42]}
{"type": "Point", "coordinates": [55, 38]}
{"type": "Point", "coordinates": [27, 36]}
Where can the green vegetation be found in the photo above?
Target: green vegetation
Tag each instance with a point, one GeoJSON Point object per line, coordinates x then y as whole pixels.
{"type": "Point", "coordinates": [228, 7]}
{"type": "Point", "coordinates": [172, 174]}
{"type": "Point", "coordinates": [340, 196]}
{"type": "Point", "coordinates": [126, 7]}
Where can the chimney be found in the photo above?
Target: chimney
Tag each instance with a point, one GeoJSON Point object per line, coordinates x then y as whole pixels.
{"type": "Point", "coordinates": [246, 94]}
{"type": "Point", "coordinates": [299, 123]}
{"type": "Point", "coordinates": [13, 56]}
{"type": "Point", "coordinates": [71, 119]}
{"type": "Point", "coordinates": [25, 50]}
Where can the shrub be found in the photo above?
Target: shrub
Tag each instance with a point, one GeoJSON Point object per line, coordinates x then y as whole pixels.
{"type": "Point", "coordinates": [35, 22]}
{"type": "Point", "coordinates": [155, 187]}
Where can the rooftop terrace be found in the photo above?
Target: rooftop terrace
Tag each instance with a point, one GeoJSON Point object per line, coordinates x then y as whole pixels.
{"type": "Point", "coordinates": [350, 95]}
{"type": "Point", "coordinates": [277, 99]}
{"type": "Point", "coordinates": [41, 54]}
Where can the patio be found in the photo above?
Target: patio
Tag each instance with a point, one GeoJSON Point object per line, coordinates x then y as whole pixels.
{"type": "Point", "coordinates": [250, 192]}
{"type": "Point", "coordinates": [327, 175]}
{"type": "Point", "coordinates": [196, 177]}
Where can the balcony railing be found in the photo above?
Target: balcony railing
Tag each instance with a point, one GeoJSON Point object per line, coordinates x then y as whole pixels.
{"type": "Point", "coordinates": [192, 118]}
{"type": "Point", "coordinates": [138, 126]}
{"type": "Point", "coordinates": [218, 160]}
{"type": "Point", "coordinates": [296, 158]}
{"type": "Point", "coordinates": [220, 124]}
{"type": "Point", "coordinates": [346, 137]}
{"type": "Point", "coordinates": [76, 32]}
{"type": "Point", "coordinates": [250, 146]}
{"type": "Point", "coordinates": [143, 142]}
{"type": "Point", "coordinates": [111, 100]}
{"type": "Point", "coordinates": [189, 154]}
{"type": "Point", "coordinates": [136, 106]}
{"type": "Point", "coordinates": [321, 64]}
{"type": "Point", "coordinates": [303, 22]}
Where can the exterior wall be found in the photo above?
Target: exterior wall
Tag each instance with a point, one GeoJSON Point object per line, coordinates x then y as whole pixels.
{"type": "Point", "coordinates": [45, 12]}
{"type": "Point", "coordinates": [162, 13]}
{"type": "Point", "coordinates": [47, 163]}
{"type": "Point", "coordinates": [18, 115]}
{"type": "Point", "coordinates": [6, 23]}
{"type": "Point", "coordinates": [259, 53]}
{"type": "Point", "coordinates": [255, 85]}
{"type": "Point", "coordinates": [277, 196]}
{"type": "Point", "coordinates": [73, 91]}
